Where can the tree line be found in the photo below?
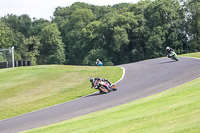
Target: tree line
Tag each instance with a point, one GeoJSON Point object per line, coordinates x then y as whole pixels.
{"type": "Point", "coordinates": [118, 34]}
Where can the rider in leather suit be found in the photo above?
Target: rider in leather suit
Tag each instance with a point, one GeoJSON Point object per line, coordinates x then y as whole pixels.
{"type": "Point", "coordinates": [168, 51]}
{"type": "Point", "coordinates": [93, 80]}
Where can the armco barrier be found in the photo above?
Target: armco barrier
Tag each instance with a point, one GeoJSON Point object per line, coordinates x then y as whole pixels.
{"type": "Point", "coordinates": [17, 64]}
{"type": "Point", "coordinates": [5, 64]}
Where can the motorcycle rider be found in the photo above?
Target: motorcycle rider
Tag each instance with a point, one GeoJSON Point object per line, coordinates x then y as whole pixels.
{"type": "Point", "coordinates": [168, 51]}
{"type": "Point", "coordinates": [93, 80]}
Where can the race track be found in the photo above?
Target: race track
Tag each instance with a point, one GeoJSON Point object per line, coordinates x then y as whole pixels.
{"type": "Point", "coordinates": [141, 79]}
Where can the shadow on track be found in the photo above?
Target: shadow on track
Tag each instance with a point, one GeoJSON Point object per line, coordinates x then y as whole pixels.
{"type": "Point", "coordinates": [167, 62]}
{"type": "Point", "coordinates": [98, 94]}
{"type": "Point", "coordinates": [95, 94]}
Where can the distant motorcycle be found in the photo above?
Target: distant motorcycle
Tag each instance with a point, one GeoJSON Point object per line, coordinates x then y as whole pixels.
{"type": "Point", "coordinates": [104, 87]}
{"type": "Point", "coordinates": [173, 56]}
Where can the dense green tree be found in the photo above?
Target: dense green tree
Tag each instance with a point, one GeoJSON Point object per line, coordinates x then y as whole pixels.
{"type": "Point", "coordinates": [10, 38]}
{"type": "Point", "coordinates": [25, 25]}
{"type": "Point", "coordinates": [192, 8]}
{"type": "Point", "coordinates": [165, 18]}
{"type": "Point", "coordinates": [21, 23]}
{"type": "Point", "coordinates": [94, 54]}
{"type": "Point", "coordinates": [52, 47]}
{"type": "Point", "coordinates": [5, 36]}
{"type": "Point", "coordinates": [122, 33]}
{"type": "Point", "coordinates": [31, 49]}
{"type": "Point", "coordinates": [11, 21]}
{"type": "Point", "coordinates": [73, 37]}
{"type": "Point", "coordinates": [92, 35]}
{"type": "Point", "coordinates": [37, 26]}
{"type": "Point", "coordinates": [155, 42]}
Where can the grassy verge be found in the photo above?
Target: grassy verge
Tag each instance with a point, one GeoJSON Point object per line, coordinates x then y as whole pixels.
{"type": "Point", "coordinates": [176, 110]}
{"type": "Point", "coordinates": [197, 55]}
{"type": "Point", "coordinates": [26, 89]}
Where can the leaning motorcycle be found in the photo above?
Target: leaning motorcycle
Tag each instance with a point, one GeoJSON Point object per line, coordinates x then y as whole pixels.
{"type": "Point", "coordinates": [173, 56]}
{"type": "Point", "coordinates": [104, 87]}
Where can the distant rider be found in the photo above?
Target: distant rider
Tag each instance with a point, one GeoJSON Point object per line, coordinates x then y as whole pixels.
{"type": "Point", "coordinates": [169, 50]}
{"type": "Point", "coordinates": [99, 63]}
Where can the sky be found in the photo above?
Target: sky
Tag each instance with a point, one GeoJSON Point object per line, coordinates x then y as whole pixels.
{"type": "Point", "coordinates": [45, 8]}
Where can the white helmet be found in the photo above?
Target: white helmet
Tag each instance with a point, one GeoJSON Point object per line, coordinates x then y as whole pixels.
{"type": "Point", "coordinates": [97, 59]}
{"type": "Point", "coordinates": [167, 48]}
{"type": "Point", "coordinates": [91, 79]}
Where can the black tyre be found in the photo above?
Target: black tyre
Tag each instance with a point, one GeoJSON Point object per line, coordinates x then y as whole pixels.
{"type": "Point", "coordinates": [175, 58]}
{"type": "Point", "coordinates": [114, 89]}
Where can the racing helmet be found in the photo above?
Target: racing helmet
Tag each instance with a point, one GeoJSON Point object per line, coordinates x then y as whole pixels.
{"type": "Point", "coordinates": [91, 79]}
{"type": "Point", "coordinates": [167, 48]}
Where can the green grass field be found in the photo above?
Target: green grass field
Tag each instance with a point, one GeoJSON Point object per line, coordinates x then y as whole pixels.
{"type": "Point", "coordinates": [173, 111]}
{"type": "Point", "coordinates": [25, 89]}
{"type": "Point", "coordinates": [197, 55]}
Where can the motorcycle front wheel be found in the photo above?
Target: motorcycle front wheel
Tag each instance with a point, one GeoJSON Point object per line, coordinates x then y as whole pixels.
{"type": "Point", "coordinates": [114, 88]}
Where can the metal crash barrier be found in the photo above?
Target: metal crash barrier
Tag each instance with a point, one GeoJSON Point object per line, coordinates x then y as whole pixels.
{"type": "Point", "coordinates": [17, 64]}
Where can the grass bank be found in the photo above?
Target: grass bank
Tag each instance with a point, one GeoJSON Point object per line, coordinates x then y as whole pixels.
{"type": "Point", "coordinates": [25, 89]}
{"type": "Point", "coordinates": [196, 55]}
{"type": "Point", "coordinates": [175, 110]}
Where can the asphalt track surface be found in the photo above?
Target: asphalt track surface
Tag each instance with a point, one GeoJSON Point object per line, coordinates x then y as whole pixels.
{"type": "Point", "coordinates": [141, 79]}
